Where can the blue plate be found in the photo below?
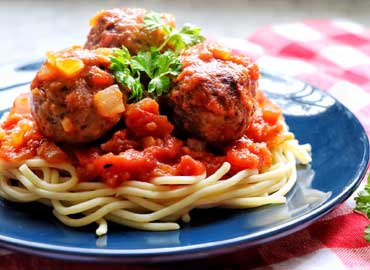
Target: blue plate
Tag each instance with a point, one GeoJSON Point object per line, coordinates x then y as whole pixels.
{"type": "Point", "coordinates": [340, 158]}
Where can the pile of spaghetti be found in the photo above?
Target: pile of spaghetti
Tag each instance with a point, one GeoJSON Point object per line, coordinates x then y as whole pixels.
{"type": "Point", "coordinates": [143, 124]}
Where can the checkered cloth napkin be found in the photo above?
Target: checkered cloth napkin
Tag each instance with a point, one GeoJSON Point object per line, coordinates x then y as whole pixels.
{"type": "Point", "coordinates": [334, 56]}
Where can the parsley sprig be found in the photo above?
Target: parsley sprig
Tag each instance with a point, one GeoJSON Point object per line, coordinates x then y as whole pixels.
{"type": "Point", "coordinates": [133, 71]}
{"type": "Point", "coordinates": [184, 38]}
{"type": "Point", "coordinates": [363, 205]}
{"type": "Point", "coordinates": [159, 67]}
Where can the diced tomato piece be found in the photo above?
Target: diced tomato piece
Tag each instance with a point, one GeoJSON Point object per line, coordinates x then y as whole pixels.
{"type": "Point", "coordinates": [119, 142]}
{"type": "Point", "coordinates": [260, 130]}
{"type": "Point", "coordinates": [148, 105]}
{"type": "Point", "coordinates": [86, 169]}
{"type": "Point", "coordinates": [99, 78]}
{"type": "Point", "coordinates": [242, 158]}
{"type": "Point", "coordinates": [150, 141]}
{"type": "Point", "coordinates": [247, 154]}
{"type": "Point", "coordinates": [51, 153]}
{"type": "Point", "coordinates": [167, 151]}
{"type": "Point", "coordinates": [190, 166]}
{"type": "Point", "coordinates": [130, 160]}
{"type": "Point", "coordinates": [271, 113]}
{"type": "Point", "coordinates": [211, 161]}
{"type": "Point", "coordinates": [19, 135]}
{"type": "Point", "coordinates": [164, 169]}
{"type": "Point", "coordinates": [128, 165]}
{"type": "Point", "coordinates": [265, 125]}
{"type": "Point", "coordinates": [87, 155]}
{"type": "Point", "coordinates": [143, 119]}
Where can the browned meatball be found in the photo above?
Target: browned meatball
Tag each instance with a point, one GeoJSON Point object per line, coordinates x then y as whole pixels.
{"type": "Point", "coordinates": [74, 98]}
{"type": "Point", "coordinates": [117, 27]}
{"type": "Point", "coordinates": [215, 94]}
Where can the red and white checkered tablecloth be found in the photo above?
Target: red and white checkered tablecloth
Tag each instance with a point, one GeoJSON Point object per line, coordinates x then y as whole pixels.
{"type": "Point", "coordinates": [334, 56]}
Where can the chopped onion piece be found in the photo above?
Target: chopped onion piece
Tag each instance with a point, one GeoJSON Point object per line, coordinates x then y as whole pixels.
{"type": "Point", "coordinates": [109, 102]}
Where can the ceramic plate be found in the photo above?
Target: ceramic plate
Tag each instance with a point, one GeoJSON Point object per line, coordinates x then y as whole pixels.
{"type": "Point", "coordinates": [340, 151]}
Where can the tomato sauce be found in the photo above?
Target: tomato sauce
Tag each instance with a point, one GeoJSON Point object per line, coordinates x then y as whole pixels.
{"type": "Point", "coordinates": [19, 137]}
{"type": "Point", "coordinates": [265, 125]}
{"type": "Point", "coordinates": [144, 148]}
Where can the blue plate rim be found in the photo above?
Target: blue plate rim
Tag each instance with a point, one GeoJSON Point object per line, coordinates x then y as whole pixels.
{"type": "Point", "coordinates": [102, 254]}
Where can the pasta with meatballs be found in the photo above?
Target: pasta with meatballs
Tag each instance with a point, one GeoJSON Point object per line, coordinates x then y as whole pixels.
{"type": "Point", "coordinates": [143, 124]}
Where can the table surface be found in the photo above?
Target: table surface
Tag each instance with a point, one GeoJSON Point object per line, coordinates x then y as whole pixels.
{"type": "Point", "coordinates": [29, 28]}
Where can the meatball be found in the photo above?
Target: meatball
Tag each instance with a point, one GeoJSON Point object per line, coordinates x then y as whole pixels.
{"type": "Point", "coordinates": [117, 27]}
{"type": "Point", "coordinates": [74, 98]}
{"type": "Point", "coordinates": [215, 93]}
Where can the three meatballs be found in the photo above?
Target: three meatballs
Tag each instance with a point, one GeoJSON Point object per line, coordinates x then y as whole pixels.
{"type": "Point", "coordinates": [76, 100]}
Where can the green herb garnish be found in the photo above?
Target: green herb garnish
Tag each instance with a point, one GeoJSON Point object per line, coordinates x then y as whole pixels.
{"type": "Point", "coordinates": [160, 68]}
{"type": "Point", "coordinates": [133, 71]}
{"type": "Point", "coordinates": [367, 233]}
{"type": "Point", "coordinates": [184, 38]}
{"type": "Point", "coordinates": [363, 205]}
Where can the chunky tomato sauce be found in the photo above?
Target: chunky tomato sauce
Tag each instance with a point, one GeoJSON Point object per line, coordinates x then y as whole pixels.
{"type": "Point", "coordinates": [143, 147]}
{"type": "Point", "coordinates": [19, 137]}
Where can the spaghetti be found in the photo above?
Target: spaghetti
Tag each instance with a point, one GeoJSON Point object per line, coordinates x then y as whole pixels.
{"type": "Point", "coordinates": [152, 205]}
